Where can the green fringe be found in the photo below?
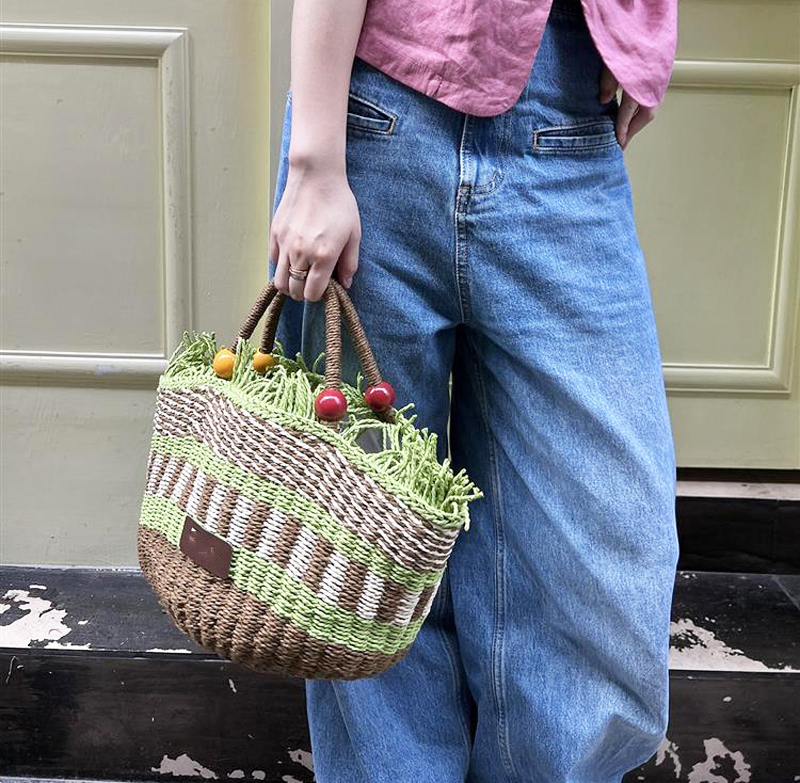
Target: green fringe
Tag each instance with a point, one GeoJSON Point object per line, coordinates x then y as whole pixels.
{"type": "Point", "coordinates": [407, 466]}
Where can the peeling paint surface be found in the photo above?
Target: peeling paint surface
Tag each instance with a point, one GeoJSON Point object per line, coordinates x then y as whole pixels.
{"type": "Point", "coordinates": [240, 774]}
{"type": "Point", "coordinates": [716, 752]}
{"type": "Point", "coordinates": [69, 600]}
{"type": "Point", "coordinates": [669, 750]}
{"type": "Point", "coordinates": [68, 646]}
{"type": "Point", "coordinates": [723, 624]}
{"type": "Point", "coordinates": [42, 623]}
{"type": "Point", "coordinates": [183, 765]}
{"type": "Point", "coordinates": [302, 757]}
{"type": "Point", "coordinates": [697, 648]}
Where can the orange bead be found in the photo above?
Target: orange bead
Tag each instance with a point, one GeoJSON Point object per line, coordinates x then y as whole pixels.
{"type": "Point", "coordinates": [263, 361]}
{"type": "Point", "coordinates": [223, 363]}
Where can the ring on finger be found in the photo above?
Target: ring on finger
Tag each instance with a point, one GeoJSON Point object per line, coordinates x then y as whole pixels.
{"type": "Point", "coordinates": [297, 274]}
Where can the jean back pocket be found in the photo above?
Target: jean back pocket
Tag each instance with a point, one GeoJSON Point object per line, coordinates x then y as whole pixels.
{"type": "Point", "coordinates": [364, 114]}
{"type": "Point", "coordinates": [586, 135]}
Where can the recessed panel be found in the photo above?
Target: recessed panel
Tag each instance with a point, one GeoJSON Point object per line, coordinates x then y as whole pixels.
{"type": "Point", "coordinates": [74, 464]}
{"type": "Point", "coordinates": [82, 258]}
{"type": "Point", "coordinates": [708, 179]}
{"type": "Point", "coordinates": [739, 30]}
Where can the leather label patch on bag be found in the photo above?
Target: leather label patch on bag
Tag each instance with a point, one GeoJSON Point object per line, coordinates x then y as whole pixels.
{"type": "Point", "coordinates": [207, 550]}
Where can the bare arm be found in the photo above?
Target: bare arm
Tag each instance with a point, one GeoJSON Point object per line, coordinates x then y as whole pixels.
{"type": "Point", "coordinates": [317, 224]}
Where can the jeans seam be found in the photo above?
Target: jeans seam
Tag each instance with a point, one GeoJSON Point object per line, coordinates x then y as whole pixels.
{"type": "Point", "coordinates": [456, 678]}
{"type": "Point", "coordinates": [462, 251]}
{"type": "Point", "coordinates": [343, 714]}
{"type": "Point", "coordinates": [500, 571]}
{"type": "Point", "coordinates": [359, 98]}
{"type": "Point", "coordinates": [463, 193]}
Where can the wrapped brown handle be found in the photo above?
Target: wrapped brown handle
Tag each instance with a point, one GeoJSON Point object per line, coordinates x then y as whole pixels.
{"type": "Point", "coordinates": [337, 304]}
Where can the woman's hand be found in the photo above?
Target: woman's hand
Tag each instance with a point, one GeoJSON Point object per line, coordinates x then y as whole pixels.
{"type": "Point", "coordinates": [315, 226]}
{"type": "Point", "coordinates": [631, 117]}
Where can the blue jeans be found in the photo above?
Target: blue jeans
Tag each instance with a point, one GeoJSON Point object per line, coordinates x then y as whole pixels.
{"type": "Point", "coordinates": [504, 249]}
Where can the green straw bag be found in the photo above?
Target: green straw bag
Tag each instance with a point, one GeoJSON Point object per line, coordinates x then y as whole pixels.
{"type": "Point", "coordinates": [279, 532]}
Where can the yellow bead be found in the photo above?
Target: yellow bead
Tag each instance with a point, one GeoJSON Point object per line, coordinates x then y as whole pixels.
{"type": "Point", "coordinates": [263, 361]}
{"type": "Point", "coordinates": [223, 363]}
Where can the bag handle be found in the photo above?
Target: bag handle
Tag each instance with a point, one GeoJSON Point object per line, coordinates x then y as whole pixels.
{"type": "Point", "coordinates": [330, 404]}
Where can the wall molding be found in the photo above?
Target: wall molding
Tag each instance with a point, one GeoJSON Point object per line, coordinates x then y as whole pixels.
{"type": "Point", "coordinates": [775, 376]}
{"type": "Point", "coordinates": [169, 47]}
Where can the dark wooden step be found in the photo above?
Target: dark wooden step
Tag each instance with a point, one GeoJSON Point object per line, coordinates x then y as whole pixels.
{"type": "Point", "coordinates": [97, 684]}
{"type": "Point", "coordinates": [735, 681]}
{"type": "Point", "coordinates": [6, 779]}
{"type": "Point", "coordinates": [739, 534]}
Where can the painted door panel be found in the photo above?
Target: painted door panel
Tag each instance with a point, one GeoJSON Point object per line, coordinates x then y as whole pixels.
{"type": "Point", "coordinates": [716, 180]}
{"type": "Point", "coordinates": [135, 204]}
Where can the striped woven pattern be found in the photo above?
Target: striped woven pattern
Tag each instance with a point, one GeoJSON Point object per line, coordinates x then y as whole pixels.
{"type": "Point", "coordinates": [331, 574]}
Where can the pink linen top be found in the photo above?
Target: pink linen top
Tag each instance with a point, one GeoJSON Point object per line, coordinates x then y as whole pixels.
{"type": "Point", "coordinates": [475, 56]}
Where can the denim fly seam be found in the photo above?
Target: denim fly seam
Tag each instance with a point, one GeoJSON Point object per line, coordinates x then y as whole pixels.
{"type": "Point", "coordinates": [467, 190]}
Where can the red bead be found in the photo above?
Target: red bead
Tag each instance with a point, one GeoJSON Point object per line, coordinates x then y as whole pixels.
{"type": "Point", "coordinates": [379, 397]}
{"type": "Point", "coordinates": [330, 404]}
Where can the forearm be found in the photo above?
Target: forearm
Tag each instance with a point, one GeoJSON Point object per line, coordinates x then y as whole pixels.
{"type": "Point", "coordinates": [324, 38]}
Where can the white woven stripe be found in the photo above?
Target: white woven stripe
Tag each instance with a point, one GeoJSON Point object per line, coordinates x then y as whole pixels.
{"type": "Point", "coordinates": [215, 507]}
{"type": "Point", "coordinates": [370, 596]}
{"type": "Point", "coordinates": [331, 585]}
{"type": "Point", "coordinates": [193, 502]}
{"type": "Point", "coordinates": [350, 496]}
{"type": "Point", "coordinates": [405, 608]}
{"type": "Point", "coordinates": [272, 528]}
{"type": "Point", "coordinates": [155, 468]}
{"type": "Point", "coordinates": [172, 469]}
{"type": "Point", "coordinates": [429, 602]}
{"type": "Point", "coordinates": [182, 483]}
{"type": "Point", "coordinates": [300, 558]}
{"type": "Point", "coordinates": [242, 512]}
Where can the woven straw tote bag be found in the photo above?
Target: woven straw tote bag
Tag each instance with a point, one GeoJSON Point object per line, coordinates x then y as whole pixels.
{"type": "Point", "coordinates": [291, 522]}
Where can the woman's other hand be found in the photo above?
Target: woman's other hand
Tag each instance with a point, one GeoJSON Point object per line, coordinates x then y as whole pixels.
{"type": "Point", "coordinates": [631, 117]}
{"type": "Point", "coordinates": [315, 227]}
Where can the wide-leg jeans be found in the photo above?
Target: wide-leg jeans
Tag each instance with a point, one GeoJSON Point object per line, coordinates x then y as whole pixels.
{"type": "Point", "coordinates": [504, 250]}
